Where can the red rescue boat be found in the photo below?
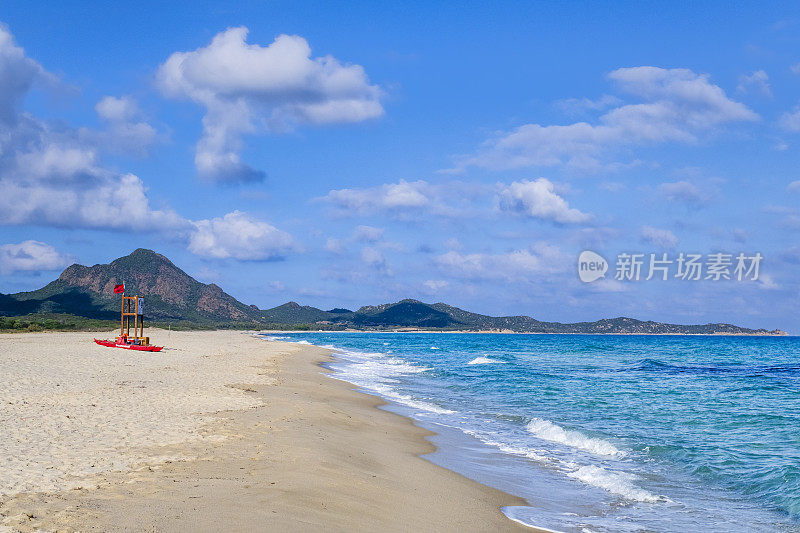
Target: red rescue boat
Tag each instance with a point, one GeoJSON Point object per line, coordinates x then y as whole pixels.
{"type": "Point", "coordinates": [128, 346]}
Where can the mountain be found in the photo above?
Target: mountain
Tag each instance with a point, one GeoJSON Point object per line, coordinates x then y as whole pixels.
{"type": "Point", "coordinates": [172, 296]}
{"type": "Point", "coordinates": [294, 313]}
{"type": "Point", "coordinates": [170, 293]}
{"type": "Point", "coordinates": [406, 313]}
{"type": "Point", "coordinates": [413, 314]}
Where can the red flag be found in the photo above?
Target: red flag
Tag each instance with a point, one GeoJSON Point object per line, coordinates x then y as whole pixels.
{"type": "Point", "coordinates": [119, 288]}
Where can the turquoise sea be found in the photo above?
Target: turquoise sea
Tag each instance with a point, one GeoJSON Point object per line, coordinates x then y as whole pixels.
{"type": "Point", "coordinates": [601, 433]}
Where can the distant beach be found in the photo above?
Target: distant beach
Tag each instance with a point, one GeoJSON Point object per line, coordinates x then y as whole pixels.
{"type": "Point", "coordinates": [220, 431]}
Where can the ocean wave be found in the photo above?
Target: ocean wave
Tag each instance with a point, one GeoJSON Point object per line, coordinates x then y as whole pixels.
{"type": "Point", "coordinates": [484, 361]}
{"type": "Point", "coordinates": [377, 372]}
{"type": "Point", "coordinates": [619, 483]}
{"type": "Point", "coordinates": [530, 453]}
{"type": "Point", "coordinates": [546, 430]}
{"type": "Point", "coordinates": [275, 338]}
{"type": "Point", "coordinates": [408, 401]}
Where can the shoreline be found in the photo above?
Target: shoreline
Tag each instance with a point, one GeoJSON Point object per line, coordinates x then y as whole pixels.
{"type": "Point", "coordinates": [315, 453]}
{"type": "Point", "coordinates": [508, 332]}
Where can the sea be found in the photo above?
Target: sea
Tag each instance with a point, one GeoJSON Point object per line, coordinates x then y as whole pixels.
{"type": "Point", "coordinates": [600, 432]}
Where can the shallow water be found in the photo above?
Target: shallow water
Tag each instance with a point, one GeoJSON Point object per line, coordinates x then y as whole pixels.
{"type": "Point", "coordinates": [602, 433]}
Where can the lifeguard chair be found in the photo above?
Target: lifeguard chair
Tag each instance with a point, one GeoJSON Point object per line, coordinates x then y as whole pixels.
{"type": "Point", "coordinates": [132, 312]}
{"type": "Point", "coordinates": [131, 316]}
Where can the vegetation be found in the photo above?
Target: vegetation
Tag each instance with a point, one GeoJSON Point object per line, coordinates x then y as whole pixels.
{"type": "Point", "coordinates": [53, 322]}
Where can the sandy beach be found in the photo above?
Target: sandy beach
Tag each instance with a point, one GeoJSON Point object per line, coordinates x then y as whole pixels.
{"type": "Point", "coordinates": [220, 431]}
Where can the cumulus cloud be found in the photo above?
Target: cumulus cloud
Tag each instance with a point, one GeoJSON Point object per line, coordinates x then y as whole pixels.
{"type": "Point", "coordinates": [18, 74]}
{"type": "Point", "coordinates": [684, 191]}
{"type": "Point", "coordinates": [31, 256]}
{"type": "Point", "coordinates": [244, 87]}
{"type": "Point", "coordinates": [126, 132]}
{"type": "Point", "coordinates": [677, 105]}
{"type": "Point", "coordinates": [517, 265]}
{"type": "Point", "coordinates": [794, 186]}
{"type": "Point", "coordinates": [756, 82]}
{"type": "Point", "coordinates": [661, 238]}
{"type": "Point", "coordinates": [51, 175]}
{"type": "Point", "coordinates": [537, 199]}
{"type": "Point", "coordinates": [237, 235]}
{"type": "Point", "coordinates": [790, 121]}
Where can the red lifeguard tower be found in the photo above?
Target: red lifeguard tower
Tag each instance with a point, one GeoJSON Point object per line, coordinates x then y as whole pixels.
{"type": "Point", "coordinates": [131, 316]}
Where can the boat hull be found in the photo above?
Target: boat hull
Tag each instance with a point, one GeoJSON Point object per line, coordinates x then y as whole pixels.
{"type": "Point", "coordinates": [112, 344]}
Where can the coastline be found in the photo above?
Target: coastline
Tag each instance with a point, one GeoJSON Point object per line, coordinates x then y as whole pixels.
{"type": "Point", "coordinates": [312, 453]}
{"type": "Point", "coordinates": [510, 332]}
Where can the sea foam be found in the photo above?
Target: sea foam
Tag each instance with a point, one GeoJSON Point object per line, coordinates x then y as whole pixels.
{"type": "Point", "coordinates": [618, 483]}
{"type": "Point", "coordinates": [546, 430]}
{"type": "Point", "coordinates": [483, 361]}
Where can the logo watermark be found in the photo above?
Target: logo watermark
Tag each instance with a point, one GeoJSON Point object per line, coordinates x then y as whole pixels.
{"type": "Point", "coordinates": [591, 266]}
{"type": "Point", "coordinates": [682, 266]}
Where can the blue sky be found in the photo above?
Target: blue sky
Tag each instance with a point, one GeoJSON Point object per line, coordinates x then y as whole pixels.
{"type": "Point", "coordinates": [454, 152]}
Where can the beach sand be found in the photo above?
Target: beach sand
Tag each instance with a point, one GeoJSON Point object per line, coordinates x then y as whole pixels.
{"type": "Point", "coordinates": [220, 431]}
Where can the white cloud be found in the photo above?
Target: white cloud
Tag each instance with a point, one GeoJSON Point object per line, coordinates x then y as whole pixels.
{"type": "Point", "coordinates": [766, 282]}
{"type": "Point", "coordinates": [684, 191]}
{"type": "Point", "coordinates": [368, 233]}
{"type": "Point", "coordinates": [50, 175]}
{"type": "Point", "coordinates": [517, 265]}
{"type": "Point", "coordinates": [790, 121]}
{"type": "Point", "coordinates": [31, 256]}
{"type": "Point", "coordinates": [237, 235]}
{"type": "Point", "coordinates": [662, 238]}
{"type": "Point", "coordinates": [373, 257]}
{"type": "Point", "coordinates": [795, 68]}
{"type": "Point", "coordinates": [117, 109]}
{"type": "Point", "coordinates": [537, 199]}
{"type": "Point", "coordinates": [409, 199]}
{"type": "Point", "coordinates": [18, 74]}
{"type": "Point", "coordinates": [435, 285]}
{"type": "Point", "coordinates": [245, 86]}
{"type": "Point", "coordinates": [388, 197]}
{"type": "Point", "coordinates": [678, 105]}
{"type": "Point", "coordinates": [794, 186]}
{"type": "Point", "coordinates": [757, 82]}
{"type": "Point", "coordinates": [125, 133]}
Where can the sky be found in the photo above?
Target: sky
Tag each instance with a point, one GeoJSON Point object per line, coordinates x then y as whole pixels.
{"type": "Point", "coordinates": [464, 152]}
